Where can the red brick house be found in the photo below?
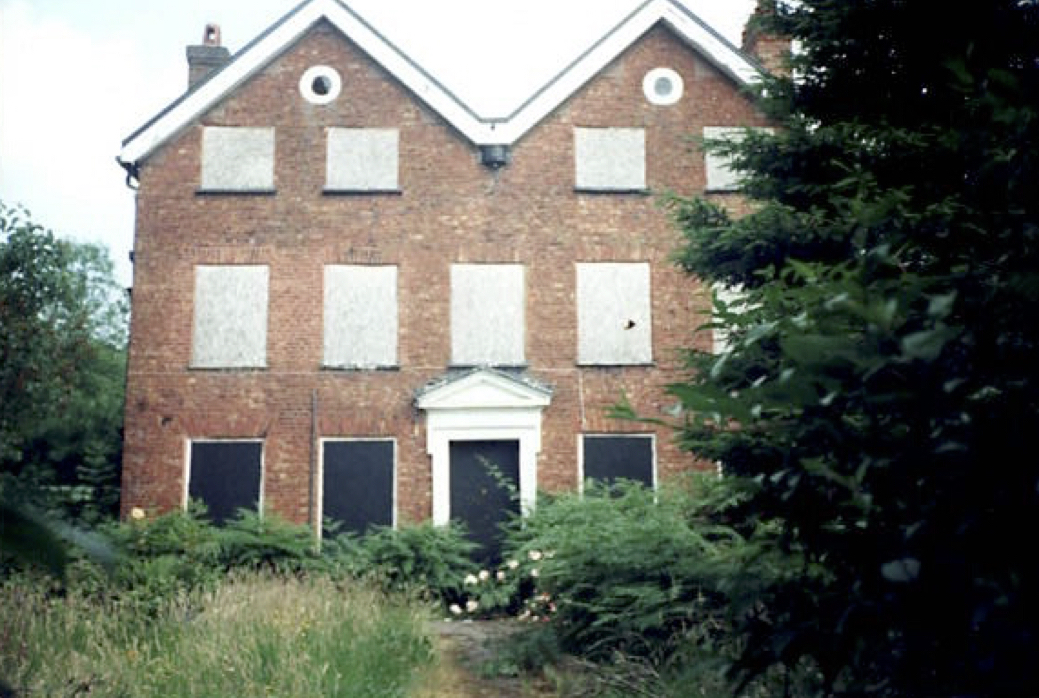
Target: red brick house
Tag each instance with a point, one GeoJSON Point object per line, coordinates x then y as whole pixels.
{"type": "Point", "coordinates": [349, 287]}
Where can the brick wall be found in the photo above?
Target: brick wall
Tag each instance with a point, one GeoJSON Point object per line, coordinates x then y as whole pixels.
{"type": "Point", "coordinates": [450, 209]}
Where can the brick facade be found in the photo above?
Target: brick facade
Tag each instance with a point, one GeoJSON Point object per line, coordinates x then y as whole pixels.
{"type": "Point", "coordinates": [449, 209]}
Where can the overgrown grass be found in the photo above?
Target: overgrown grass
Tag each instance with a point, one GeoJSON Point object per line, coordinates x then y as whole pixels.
{"type": "Point", "coordinates": [254, 635]}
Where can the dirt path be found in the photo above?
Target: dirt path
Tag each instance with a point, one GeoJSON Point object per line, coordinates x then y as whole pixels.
{"type": "Point", "coordinates": [470, 664]}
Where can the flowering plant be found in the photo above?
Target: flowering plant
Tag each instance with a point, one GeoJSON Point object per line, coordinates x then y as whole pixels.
{"type": "Point", "coordinates": [510, 588]}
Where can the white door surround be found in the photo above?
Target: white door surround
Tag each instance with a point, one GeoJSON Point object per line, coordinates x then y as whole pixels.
{"type": "Point", "coordinates": [482, 405]}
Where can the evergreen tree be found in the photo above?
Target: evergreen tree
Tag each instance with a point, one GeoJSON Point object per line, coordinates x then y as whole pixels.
{"type": "Point", "coordinates": [878, 390]}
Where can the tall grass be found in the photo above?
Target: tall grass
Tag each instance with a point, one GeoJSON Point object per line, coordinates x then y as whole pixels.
{"type": "Point", "coordinates": [251, 636]}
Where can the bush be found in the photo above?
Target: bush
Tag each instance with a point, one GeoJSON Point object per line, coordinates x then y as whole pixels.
{"type": "Point", "coordinates": [647, 575]}
{"type": "Point", "coordinates": [253, 541]}
{"type": "Point", "coordinates": [157, 560]}
{"type": "Point", "coordinates": [433, 560]}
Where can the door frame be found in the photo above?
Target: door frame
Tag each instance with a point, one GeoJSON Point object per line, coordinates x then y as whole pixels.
{"type": "Point", "coordinates": [484, 405]}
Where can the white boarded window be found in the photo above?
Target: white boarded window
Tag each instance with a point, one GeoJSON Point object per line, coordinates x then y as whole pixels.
{"type": "Point", "coordinates": [613, 313]}
{"type": "Point", "coordinates": [610, 159]}
{"type": "Point", "coordinates": [720, 174]}
{"type": "Point", "coordinates": [734, 301]}
{"type": "Point", "coordinates": [734, 298]}
{"type": "Point", "coordinates": [488, 323]}
{"type": "Point", "coordinates": [230, 323]}
{"type": "Point", "coordinates": [362, 159]}
{"type": "Point", "coordinates": [360, 316]}
{"type": "Point", "coordinates": [237, 159]}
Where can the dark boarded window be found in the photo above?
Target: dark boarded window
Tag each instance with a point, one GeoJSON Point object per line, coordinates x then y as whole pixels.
{"type": "Point", "coordinates": [610, 458]}
{"type": "Point", "coordinates": [225, 476]}
{"type": "Point", "coordinates": [357, 489]}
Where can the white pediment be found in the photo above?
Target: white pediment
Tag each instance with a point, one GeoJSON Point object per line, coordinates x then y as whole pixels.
{"type": "Point", "coordinates": [484, 389]}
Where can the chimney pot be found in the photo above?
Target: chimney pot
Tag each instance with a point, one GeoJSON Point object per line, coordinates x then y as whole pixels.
{"type": "Point", "coordinates": [212, 35]}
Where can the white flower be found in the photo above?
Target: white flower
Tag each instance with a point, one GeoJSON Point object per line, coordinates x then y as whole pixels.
{"type": "Point", "coordinates": [534, 555]}
{"type": "Point", "coordinates": [534, 572]}
{"type": "Point", "coordinates": [137, 513]}
{"type": "Point", "coordinates": [455, 609]}
{"type": "Point", "coordinates": [470, 579]}
{"type": "Point", "coordinates": [484, 575]}
{"type": "Point", "coordinates": [471, 605]}
{"type": "Point", "coordinates": [501, 576]}
{"type": "Point", "coordinates": [512, 564]}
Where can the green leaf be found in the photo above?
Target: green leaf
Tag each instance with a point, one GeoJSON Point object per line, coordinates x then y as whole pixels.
{"type": "Point", "coordinates": [926, 345]}
{"type": "Point", "coordinates": [901, 571]}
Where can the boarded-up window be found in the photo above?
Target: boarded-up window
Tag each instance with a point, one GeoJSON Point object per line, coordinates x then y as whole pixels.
{"type": "Point", "coordinates": [230, 324]}
{"type": "Point", "coordinates": [613, 313]}
{"type": "Point", "coordinates": [487, 314]}
{"type": "Point", "coordinates": [360, 316]}
{"type": "Point", "coordinates": [225, 476]}
{"type": "Point", "coordinates": [362, 159]}
{"type": "Point", "coordinates": [610, 159]}
{"type": "Point", "coordinates": [729, 300]}
{"type": "Point", "coordinates": [237, 159]}
{"type": "Point", "coordinates": [607, 458]}
{"type": "Point", "coordinates": [720, 174]}
{"type": "Point", "coordinates": [357, 484]}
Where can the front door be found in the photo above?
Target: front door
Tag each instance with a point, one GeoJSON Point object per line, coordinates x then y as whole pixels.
{"type": "Point", "coordinates": [484, 490]}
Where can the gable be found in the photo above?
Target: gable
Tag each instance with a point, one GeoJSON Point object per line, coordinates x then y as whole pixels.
{"type": "Point", "coordinates": [483, 389]}
{"type": "Point", "coordinates": [476, 128]}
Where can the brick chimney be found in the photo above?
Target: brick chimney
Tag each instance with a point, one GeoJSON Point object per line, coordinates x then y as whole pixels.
{"type": "Point", "coordinates": [773, 52]}
{"type": "Point", "coordinates": [207, 58]}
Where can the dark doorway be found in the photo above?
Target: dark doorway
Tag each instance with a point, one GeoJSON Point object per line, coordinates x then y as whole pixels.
{"type": "Point", "coordinates": [225, 476]}
{"type": "Point", "coordinates": [357, 488]}
{"type": "Point", "coordinates": [479, 496]}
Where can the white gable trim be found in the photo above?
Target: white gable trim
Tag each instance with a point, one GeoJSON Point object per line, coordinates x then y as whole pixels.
{"type": "Point", "coordinates": [686, 25]}
{"type": "Point", "coordinates": [480, 130]}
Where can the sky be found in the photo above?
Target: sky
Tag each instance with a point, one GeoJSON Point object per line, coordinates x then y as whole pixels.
{"type": "Point", "coordinates": [79, 76]}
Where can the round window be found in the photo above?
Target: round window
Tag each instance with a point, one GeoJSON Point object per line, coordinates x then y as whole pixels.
{"type": "Point", "coordinates": [320, 84]}
{"type": "Point", "coordinates": [662, 86]}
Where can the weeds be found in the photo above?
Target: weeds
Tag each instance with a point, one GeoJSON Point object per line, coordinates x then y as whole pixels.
{"type": "Point", "coordinates": [253, 635]}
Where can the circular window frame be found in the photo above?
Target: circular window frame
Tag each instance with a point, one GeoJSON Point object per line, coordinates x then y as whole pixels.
{"type": "Point", "coordinates": [649, 84]}
{"type": "Point", "coordinates": [312, 75]}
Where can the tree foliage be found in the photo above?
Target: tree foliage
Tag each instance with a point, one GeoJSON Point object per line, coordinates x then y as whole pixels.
{"type": "Point", "coordinates": [62, 358]}
{"type": "Point", "coordinates": [879, 386]}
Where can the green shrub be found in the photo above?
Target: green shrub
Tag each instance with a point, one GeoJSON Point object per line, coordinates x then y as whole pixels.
{"type": "Point", "coordinates": [645, 574]}
{"type": "Point", "coordinates": [158, 559]}
{"type": "Point", "coordinates": [254, 541]}
{"type": "Point", "coordinates": [433, 560]}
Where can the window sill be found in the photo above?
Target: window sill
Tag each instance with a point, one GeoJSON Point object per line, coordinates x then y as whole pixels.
{"type": "Point", "coordinates": [361, 192]}
{"type": "Point", "coordinates": [235, 192]}
{"type": "Point", "coordinates": [360, 369]}
{"type": "Point", "coordinates": [500, 367]}
{"type": "Point", "coordinates": [228, 369]}
{"type": "Point", "coordinates": [602, 364]}
{"type": "Point", "coordinates": [643, 191]}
